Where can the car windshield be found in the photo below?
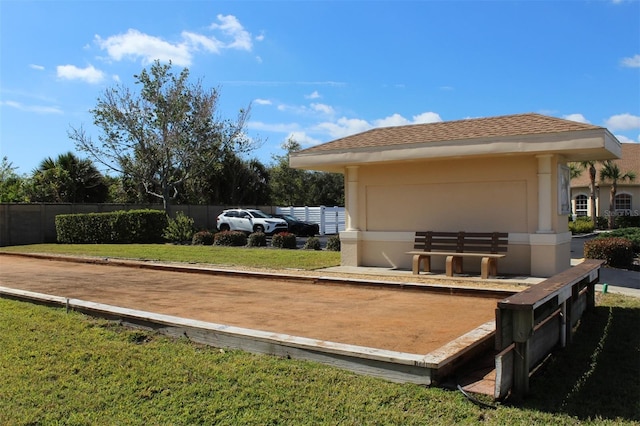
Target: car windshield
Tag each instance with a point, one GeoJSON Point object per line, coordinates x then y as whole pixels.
{"type": "Point", "coordinates": [286, 216]}
{"type": "Point", "coordinates": [258, 213]}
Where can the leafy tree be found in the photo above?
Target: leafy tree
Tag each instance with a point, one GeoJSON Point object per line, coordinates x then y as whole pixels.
{"type": "Point", "coordinates": [68, 179]}
{"type": "Point", "coordinates": [12, 186]}
{"type": "Point", "coordinates": [293, 187]}
{"type": "Point", "coordinates": [163, 136]}
{"type": "Point", "coordinates": [287, 184]}
{"type": "Point", "coordinates": [611, 172]}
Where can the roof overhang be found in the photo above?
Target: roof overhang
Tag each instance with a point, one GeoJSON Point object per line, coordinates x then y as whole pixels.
{"type": "Point", "coordinates": [584, 145]}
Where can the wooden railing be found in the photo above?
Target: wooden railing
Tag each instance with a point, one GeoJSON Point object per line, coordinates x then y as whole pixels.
{"type": "Point", "coordinates": [530, 324]}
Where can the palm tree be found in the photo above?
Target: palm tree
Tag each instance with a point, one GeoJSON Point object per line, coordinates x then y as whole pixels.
{"type": "Point", "coordinates": [576, 170]}
{"type": "Point", "coordinates": [68, 179]}
{"type": "Point", "coordinates": [610, 171]}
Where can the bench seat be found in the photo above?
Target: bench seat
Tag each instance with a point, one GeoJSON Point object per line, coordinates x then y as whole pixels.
{"type": "Point", "coordinates": [455, 247]}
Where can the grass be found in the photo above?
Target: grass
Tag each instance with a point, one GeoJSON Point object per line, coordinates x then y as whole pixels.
{"type": "Point", "coordinates": [223, 256]}
{"type": "Point", "coordinates": [61, 368]}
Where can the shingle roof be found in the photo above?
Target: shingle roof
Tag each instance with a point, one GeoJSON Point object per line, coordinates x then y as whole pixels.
{"type": "Point", "coordinates": [629, 161]}
{"type": "Point", "coordinates": [503, 126]}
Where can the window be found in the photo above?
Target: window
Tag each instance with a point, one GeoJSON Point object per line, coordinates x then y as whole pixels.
{"type": "Point", "coordinates": [622, 202]}
{"type": "Point", "coordinates": [582, 205]}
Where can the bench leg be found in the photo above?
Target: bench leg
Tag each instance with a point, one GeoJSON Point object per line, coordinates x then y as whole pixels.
{"type": "Point", "coordinates": [489, 267]}
{"type": "Point", "coordinates": [454, 265]}
{"type": "Point", "coordinates": [426, 261]}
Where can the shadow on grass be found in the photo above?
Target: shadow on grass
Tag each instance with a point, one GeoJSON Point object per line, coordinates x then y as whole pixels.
{"type": "Point", "coordinates": [598, 375]}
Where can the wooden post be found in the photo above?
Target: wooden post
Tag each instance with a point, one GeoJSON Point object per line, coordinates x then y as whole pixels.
{"type": "Point", "coordinates": [522, 332]}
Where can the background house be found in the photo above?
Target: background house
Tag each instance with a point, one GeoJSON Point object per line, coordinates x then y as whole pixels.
{"type": "Point", "coordinates": [506, 174]}
{"type": "Point", "coordinates": [627, 200]}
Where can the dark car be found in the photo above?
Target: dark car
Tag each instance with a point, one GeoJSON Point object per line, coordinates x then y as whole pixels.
{"type": "Point", "coordinates": [300, 227]}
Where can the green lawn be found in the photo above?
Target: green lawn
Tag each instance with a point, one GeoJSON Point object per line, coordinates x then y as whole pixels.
{"type": "Point", "coordinates": [61, 368]}
{"type": "Point", "coordinates": [217, 255]}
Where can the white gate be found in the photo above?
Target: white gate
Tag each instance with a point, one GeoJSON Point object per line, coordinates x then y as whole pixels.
{"type": "Point", "coordinates": [330, 219]}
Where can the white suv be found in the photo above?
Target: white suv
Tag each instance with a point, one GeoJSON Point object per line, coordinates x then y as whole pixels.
{"type": "Point", "coordinates": [250, 221]}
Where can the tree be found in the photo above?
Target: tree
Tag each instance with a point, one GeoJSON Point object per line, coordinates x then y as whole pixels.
{"type": "Point", "coordinates": [68, 179]}
{"type": "Point", "coordinates": [163, 136]}
{"type": "Point", "coordinates": [293, 187]}
{"type": "Point", "coordinates": [576, 171]}
{"type": "Point", "coordinates": [287, 184]}
{"type": "Point", "coordinates": [611, 172]}
{"type": "Point", "coordinates": [12, 186]}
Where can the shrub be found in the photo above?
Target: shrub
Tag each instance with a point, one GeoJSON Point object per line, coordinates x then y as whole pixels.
{"type": "Point", "coordinates": [631, 234]}
{"type": "Point", "coordinates": [312, 243]}
{"type": "Point", "coordinates": [627, 221]}
{"type": "Point", "coordinates": [333, 243]}
{"type": "Point", "coordinates": [202, 238]}
{"type": "Point", "coordinates": [257, 239]}
{"type": "Point", "coordinates": [119, 227]}
{"type": "Point", "coordinates": [285, 240]}
{"type": "Point", "coordinates": [230, 238]}
{"type": "Point", "coordinates": [602, 222]}
{"type": "Point", "coordinates": [615, 251]}
{"type": "Point", "coordinates": [180, 229]}
{"type": "Point", "coordinates": [582, 225]}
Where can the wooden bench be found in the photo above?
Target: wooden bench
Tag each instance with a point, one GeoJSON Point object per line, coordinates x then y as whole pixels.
{"type": "Point", "coordinates": [455, 246]}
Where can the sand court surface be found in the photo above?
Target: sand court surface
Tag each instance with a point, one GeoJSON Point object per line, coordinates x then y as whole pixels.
{"type": "Point", "coordinates": [397, 318]}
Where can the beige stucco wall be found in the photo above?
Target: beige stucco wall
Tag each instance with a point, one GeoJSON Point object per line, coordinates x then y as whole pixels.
{"type": "Point", "coordinates": [392, 201]}
{"type": "Point", "coordinates": [602, 202]}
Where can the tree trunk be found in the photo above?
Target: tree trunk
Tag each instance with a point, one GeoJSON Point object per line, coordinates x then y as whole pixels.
{"type": "Point", "coordinates": [612, 197]}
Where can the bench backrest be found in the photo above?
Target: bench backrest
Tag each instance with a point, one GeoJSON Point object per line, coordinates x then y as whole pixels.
{"type": "Point", "coordinates": [461, 242]}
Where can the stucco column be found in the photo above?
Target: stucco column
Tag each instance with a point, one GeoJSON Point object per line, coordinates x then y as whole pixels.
{"type": "Point", "coordinates": [352, 199]}
{"type": "Point", "coordinates": [544, 194]}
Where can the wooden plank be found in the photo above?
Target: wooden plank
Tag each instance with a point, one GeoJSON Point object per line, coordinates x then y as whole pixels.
{"type": "Point", "coordinates": [551, 287]}
{"type": "Point", "coordinates": [453, 253]}
{"type": "Point", "coordinates": [504, 372]}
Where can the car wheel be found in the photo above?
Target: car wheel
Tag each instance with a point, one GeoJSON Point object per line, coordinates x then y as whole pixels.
{"type": "Point", "coordinates": [258, 228]}
{"type": "Point", "coordinates": [224, 227]}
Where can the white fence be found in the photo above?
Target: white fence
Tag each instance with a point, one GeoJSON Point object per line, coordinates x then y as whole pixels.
{"type": "Point", "coordinates": [330, 219]}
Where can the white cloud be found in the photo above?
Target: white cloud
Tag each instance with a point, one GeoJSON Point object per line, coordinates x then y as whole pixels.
{"type": "Point", "coordinates": [344, 127]}
{"type": "Point", "coordinates": [623, 122]}
{"type": "Point", "coordinates": [632, 62]}
{"type": "Point", "coordinates": [390, 121]}
{"type": "Point", "coordinates": [262, 101]}
{"type": "Point", "coordinates": [323, 108]}
{"type": "Point", "coordinates": [134, 44]}
{"type": "Point", "coordinates": [427, 117]}
{"type": "Point", "coordinates": [314, 95]}
{"type": "Point", "coordinates": [230, 26]}
{"type": "Point", "coordinates": [303, 139]}
{"type": "Point", "coordinates": [625, 139]}
{"type": "Point", "coordinates": [32, 108]}
{"type": "Point", "coordinates": [89, 74]}
{"type": "Point", "coordinates": [197, 41]}
{"type": "Point", "coordinates": [137, 45]}
{"type": "Point", "coordinates": [36, 67]}
{"type": "Point", "coordinates": [398, 120]}
{"type": "Point", "coordinates": [577, 117]}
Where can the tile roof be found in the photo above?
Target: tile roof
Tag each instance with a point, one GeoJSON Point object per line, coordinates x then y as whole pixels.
{"type": "Point", "coordinates": [629, 161]}
{"type": "Point", "coordinates": [503, 126]}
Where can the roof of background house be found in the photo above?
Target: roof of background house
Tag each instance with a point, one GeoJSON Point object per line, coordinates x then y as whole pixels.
{"type": "Point", "coordinates": [630, 161]}
{"type": "Point", "coordinates": [489, 127]}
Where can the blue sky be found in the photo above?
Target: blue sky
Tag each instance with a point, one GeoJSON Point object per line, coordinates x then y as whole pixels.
{"type": "Point", "coordinates": [320, 70]}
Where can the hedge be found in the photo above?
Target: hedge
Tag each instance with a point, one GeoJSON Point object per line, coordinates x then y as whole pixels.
{"type": "Point", "coordinates": [119, 227]}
